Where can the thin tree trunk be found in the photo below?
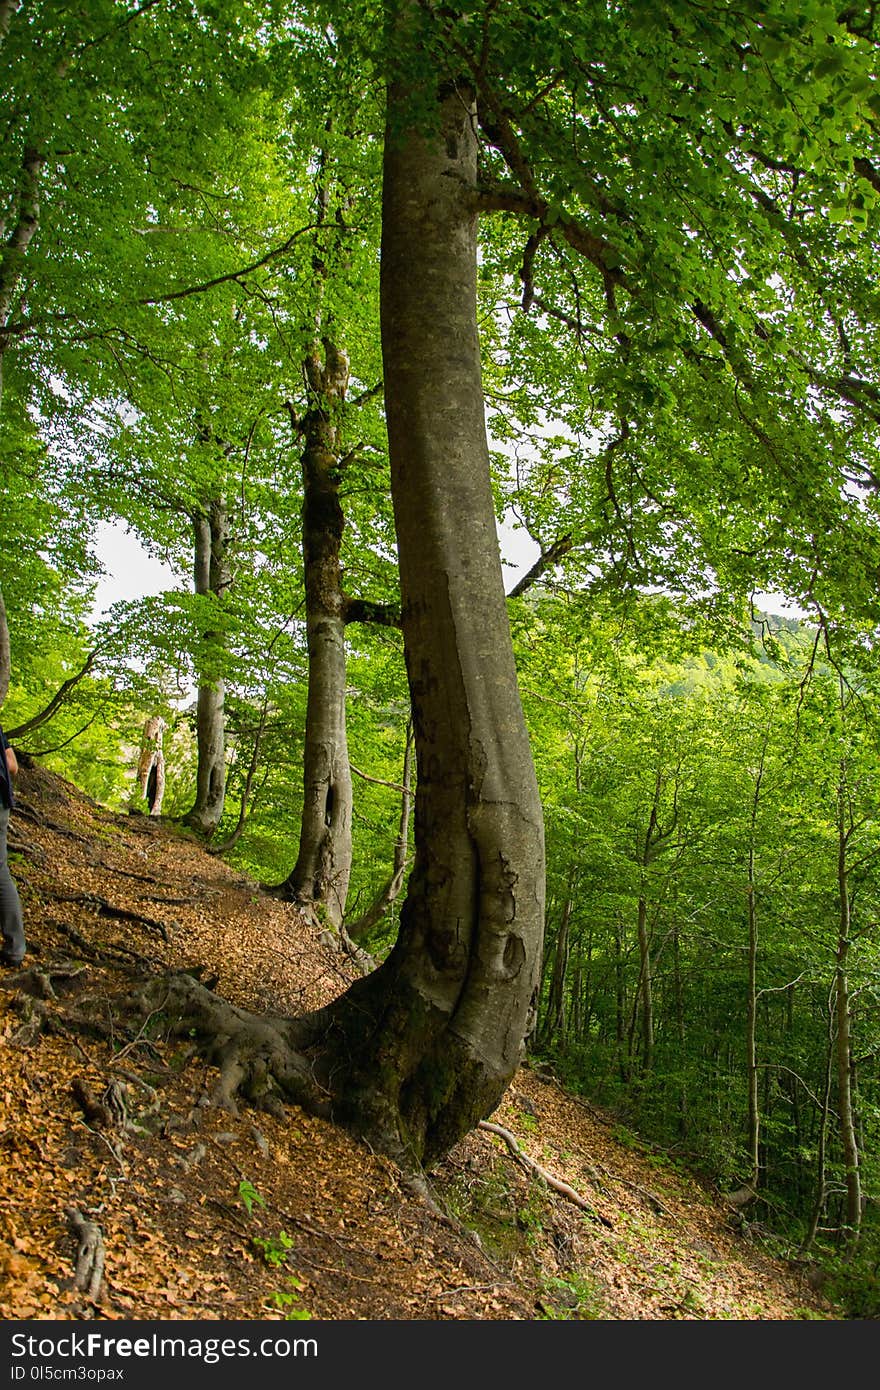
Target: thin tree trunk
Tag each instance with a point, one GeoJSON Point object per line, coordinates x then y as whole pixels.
{"type": "Point", "coordinates": [232, 840]}
{"type": "Point", "coordinates": [848, 1135]}
{"type": "Point", "coordinates": [754, 1109]}
{"type": "Point", "coordinates": [683, 1097]}
{"type": "Point", "coordinates": [620, 1030]}
{"type": "Point", "coordinates": [654, 837]}
{"type": "Point", "coordinates": [211, 576]}
{"type": "Point", "coordinates": [821, 1189]}
{"type": "Point", "coordinates": [320, 876]}
{"type": "Point", "coordinates": [646, 987]}
{"type": "Point", "coordinates": [554, 1021]}
{"type": "Point", "coordinates": [5, 657]}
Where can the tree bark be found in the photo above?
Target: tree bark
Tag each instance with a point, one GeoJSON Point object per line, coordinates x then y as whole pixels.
{"type": "Point", "coordinates": [323, 867]}
{"type": "Point", "coordinates": [423, 1048]}
{"type": "Point", "coordinates": [211, 576]}
{"type": "Point", "coordinates": [5, 656]}
{"type": "Point", "coordinates": [151, 764]}
{"type": "Point", "coordinates": [27, 220]}
{"type": "Point", "coordinates": [415, 1054]}
{"type": "Point", "coordinates": [848, 1136]}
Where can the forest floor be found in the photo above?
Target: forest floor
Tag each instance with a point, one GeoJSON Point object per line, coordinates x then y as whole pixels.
{"type": "Point", "coordinates": [208, 1215]}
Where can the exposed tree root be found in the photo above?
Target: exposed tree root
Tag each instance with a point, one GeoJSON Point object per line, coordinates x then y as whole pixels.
{"type": "Point", "coordinates": [556, 1184]}
{"type": "Point", "coordinates": [256, 1054]}
{"type": "Point", "coordinates": [108, 1111]}
{"type": "Point", "coordinates": [119, 914]}
{"type": "Point", "coordinates": [119, 956]}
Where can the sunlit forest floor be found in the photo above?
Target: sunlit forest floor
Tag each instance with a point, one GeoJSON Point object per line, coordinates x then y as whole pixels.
{"type": "Point", "coordinates": [204, 1214]}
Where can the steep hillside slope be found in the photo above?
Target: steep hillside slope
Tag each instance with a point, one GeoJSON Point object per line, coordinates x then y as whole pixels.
{"type": "Point", "coordinates": [106, 1129]}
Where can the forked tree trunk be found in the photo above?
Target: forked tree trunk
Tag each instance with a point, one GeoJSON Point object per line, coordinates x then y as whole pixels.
{"type": "Point", "coordinates": [323, 867]}
{"type": "Point", "coordinates": [211, 576]}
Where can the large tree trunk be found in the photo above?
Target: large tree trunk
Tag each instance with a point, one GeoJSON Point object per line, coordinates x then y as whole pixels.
{"type": "Point", "coordinates": [323, 867]}
{"type": "Point", "coordinates": [211, 576]}
{"type": "Point", "coordinates": [430, 1040]}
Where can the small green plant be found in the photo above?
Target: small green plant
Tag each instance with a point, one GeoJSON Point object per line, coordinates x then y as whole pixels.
{"type": "Point", "coordinates": [527, 1122]}
{"type": "Point", "coordinates": [249, 1196]}
{"type": "Point", "coordinates": [273, 1249]}
{"type": "Point", "coordinates": [531, 1216]}
{"type": "Point", "coordinates": [288, 1302]}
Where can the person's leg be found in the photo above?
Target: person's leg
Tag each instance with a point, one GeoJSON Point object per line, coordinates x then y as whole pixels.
{"type": "Point", "coordinates": [12, 948]}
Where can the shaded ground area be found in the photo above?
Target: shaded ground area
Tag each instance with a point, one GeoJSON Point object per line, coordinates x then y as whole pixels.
{"type": "Point", "coordinates": [203, 1214]}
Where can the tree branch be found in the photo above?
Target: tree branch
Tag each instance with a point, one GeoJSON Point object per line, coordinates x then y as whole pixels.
{"type": "Point", "coordinates": [61, 694]}
{"type": "Point", "coordinates": [550, 557]}
{"type": "Point", "coordinates": [362, 610]}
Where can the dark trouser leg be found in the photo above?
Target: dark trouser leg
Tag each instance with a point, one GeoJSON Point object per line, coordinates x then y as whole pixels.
{"type": "Point", "coordinates": [11, 923]}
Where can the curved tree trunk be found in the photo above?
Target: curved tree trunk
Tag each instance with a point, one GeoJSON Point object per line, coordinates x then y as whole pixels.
{"type": "Point", "coordinates": [323, 867]}
{"type": "Point", "coordinates": [424, 1047]}
{"type": "Point", "coordinates": [211, 576]}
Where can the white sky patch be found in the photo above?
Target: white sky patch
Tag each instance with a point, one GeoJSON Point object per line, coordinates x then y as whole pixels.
{"type": "Point", "coordinates": [131, 572]}
{"type": "Point", "coordinates": [518, 551]}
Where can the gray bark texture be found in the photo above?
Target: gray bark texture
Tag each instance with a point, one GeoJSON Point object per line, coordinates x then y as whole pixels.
{"type": "Point", "coordinates": [323, 867]}
{"type": "Point", "coordinates": [438, 1030]}
{"type": "Point", "coordinates": [211, 576]}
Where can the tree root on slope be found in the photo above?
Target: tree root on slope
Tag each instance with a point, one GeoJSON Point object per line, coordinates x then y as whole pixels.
{"type": "Point", "coordinates": [554, 1183]}
{"type": "Point", "coordinates": [256, 1054]}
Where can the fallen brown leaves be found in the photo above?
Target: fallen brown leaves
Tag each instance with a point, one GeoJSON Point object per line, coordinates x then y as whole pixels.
{"type": "Point", "coordinates": [207, 1215]}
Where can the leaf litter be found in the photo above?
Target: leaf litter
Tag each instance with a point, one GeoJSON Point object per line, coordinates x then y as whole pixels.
{"type": "Point", "coordinates": [209, 1215]}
